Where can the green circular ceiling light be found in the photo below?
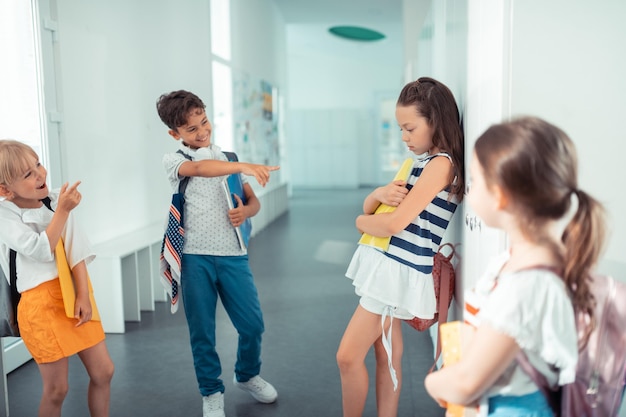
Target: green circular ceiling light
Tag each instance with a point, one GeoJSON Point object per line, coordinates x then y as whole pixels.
{"type": "Point", "coordinates": [356, 33]}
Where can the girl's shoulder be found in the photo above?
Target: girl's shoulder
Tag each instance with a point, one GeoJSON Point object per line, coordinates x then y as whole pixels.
{"type": "Point", "coordinates": [426, 158]}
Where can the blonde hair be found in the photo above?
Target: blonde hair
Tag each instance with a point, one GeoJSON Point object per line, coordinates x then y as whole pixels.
{"type": "Point", "coordinates": [14, 160]}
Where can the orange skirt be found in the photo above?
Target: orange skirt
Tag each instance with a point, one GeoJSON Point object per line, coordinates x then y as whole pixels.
{"type": "Point", "coordinates": [49, 335]}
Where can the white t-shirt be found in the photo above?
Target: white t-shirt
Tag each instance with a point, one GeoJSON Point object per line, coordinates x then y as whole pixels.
{"type": "Point", "coordinates": [533, 307]}
{"type": "Point", "coordinates": [24, 230]}
{"type": "Point", "coordinates": [208, 230]}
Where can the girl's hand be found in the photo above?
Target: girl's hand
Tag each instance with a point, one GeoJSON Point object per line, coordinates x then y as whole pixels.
{"type": "Point", "coordinates": [237, 215]}
{"type": "Point", "coordinates": [69, 197]}
{"type": "Point", "coordinates": [82, 310]}
{"type": "Point", "coordinates": [393, 193]}
{"type": "Point", "coordinates": [260, 172]}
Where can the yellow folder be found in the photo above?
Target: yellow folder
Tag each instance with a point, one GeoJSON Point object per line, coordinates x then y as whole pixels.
{"type": "Point", "coordinates": [383, 242]}
{"type": "Point", "coordinates": [67, 284]}
{"type": "Point", "coordinates": [450, 334]}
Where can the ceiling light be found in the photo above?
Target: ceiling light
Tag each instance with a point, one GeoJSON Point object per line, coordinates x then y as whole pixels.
{"type": "Point", "coordinates": [356, 33]}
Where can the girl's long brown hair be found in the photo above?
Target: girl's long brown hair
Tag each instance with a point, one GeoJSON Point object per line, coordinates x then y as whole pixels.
{"type": "Point", "coordinates": [435, 102]}
{"type": "Point", "coordinates": [535, 163]}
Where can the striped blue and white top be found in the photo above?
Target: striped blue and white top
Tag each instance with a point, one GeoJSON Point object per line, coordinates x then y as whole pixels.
{"type": "Point", "coordinates": [402, 276]}
{"type": "Point", "coordinates": [416, 245]}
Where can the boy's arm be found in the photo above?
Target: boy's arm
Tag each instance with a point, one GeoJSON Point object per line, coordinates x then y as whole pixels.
{"type": "Point", "coordinates": [240, 213]}
{"type": "Point", "coordinates": [217, 168]}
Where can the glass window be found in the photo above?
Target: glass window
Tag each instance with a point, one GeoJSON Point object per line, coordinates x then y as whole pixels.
{"type": "Point", "coordinates": [223, 106]}
{"type": "Point", "coordinates": [220, 28]}
{"type": "Point", "coordinates": [21, 113]}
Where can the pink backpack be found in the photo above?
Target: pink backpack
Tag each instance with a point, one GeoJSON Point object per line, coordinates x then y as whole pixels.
{"type": "Point", "coordinates": [601, 372]}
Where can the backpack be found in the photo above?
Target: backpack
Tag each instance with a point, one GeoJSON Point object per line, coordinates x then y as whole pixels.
{"type": "Point", "coordinates": [443, 281]}
{"type": "Point", "coordinates": [601, 371]}
{"type": "Point", "coordinates": [9, 298]}
{"type": "Point", "coordinates": [171, 254]}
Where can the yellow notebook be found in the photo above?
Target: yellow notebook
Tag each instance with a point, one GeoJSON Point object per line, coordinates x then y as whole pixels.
{"type": "Point", "coordinates": [450, 334]}
{"type": "Point", "coordinates": [67, 284]}
{"type": "Point", "coordinates": [383, 242]}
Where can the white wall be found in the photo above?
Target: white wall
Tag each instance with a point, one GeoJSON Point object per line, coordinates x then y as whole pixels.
{"type": "Point", "coordinates": [568, 67]}
{"type": "Point", "coordinates": [438, 49]}
{"type": "Point", "coordinates": [332, 105]}
{"type": "Point", "coordinates": [561, 61]}
{"type": "Point", "coordinates": [115, 59]}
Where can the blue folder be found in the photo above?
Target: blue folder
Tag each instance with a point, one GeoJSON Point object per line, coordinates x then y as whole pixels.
{"type": "Point", "coordinates": [234, 185]}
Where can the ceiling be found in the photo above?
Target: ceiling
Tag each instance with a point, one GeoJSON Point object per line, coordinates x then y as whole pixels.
{"type": "Point", "coordinates": [347, 12]}
{"type": "Point", "coordinates": [308, 22]}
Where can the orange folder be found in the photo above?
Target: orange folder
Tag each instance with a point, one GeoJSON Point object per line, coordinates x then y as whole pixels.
{"type": "Point", "coordinates": [383, 242]}
{"type": "Point", "coordinates": [450, 334]}
{"type": "Point", "coordinates": [67, 284]}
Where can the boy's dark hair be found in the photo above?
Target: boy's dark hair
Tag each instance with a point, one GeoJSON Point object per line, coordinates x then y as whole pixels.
{"type": "Point", "coordinates": [174, 108]}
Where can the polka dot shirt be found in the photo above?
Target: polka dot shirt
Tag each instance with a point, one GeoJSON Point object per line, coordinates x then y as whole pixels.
{"type": "Point", "coordinates": [208, 230]}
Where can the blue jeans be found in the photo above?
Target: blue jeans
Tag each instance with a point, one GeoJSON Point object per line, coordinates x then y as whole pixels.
{"type": "Point", "coordinates": [529, 405]}
{"type": "Point", "coordinates": [203, 278]}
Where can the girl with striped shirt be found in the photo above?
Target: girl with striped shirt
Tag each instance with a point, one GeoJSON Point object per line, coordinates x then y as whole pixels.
{"type": "Point", "coordinates": [396, 283]}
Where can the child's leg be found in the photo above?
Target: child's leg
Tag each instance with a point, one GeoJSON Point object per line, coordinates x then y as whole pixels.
{"type": "Point", "coordinates": [364, 328]}
{"type": "Point", "coordinates": [100, 368]}
{"type": "Point", "coordinates": [55, 386]}
{"type": "Point", "coordinates": [241, 301]}
{"type": "Point", "coordinates": [386, 398]}
{"type": "Point", "coordinates": [200, 299]}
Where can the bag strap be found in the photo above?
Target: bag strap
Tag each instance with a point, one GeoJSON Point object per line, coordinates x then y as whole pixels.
{"type": "Point", "coordinates": [231, 156]}
{"type": "Point", "coordinates": [551, 395]}
{"type": "Point", "coordinates": [444, 299]}
{"type": "Point", "coordinates": [182, 185]}
{"type": "Point", "coordinates": [15, 295]}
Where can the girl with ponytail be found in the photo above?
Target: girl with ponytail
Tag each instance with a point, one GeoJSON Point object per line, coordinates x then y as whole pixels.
{"type": "Point", "coordinates": [523, 176]}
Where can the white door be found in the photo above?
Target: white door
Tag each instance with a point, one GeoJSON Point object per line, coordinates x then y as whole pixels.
{"type": "Point", "coordinates": [486, 103]}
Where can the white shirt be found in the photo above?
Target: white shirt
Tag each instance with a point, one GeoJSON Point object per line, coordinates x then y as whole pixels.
{"type": "Point", "coordinates": [24, 230]}
{"type": "Point", "coordinates": [532, 307]}
{"type": "Point", "coordinates": [208, 230]}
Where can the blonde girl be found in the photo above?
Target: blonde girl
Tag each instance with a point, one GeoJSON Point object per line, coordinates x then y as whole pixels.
{"type": "Point", "coordinates": [397, 284]}
{"type": "Point", "coordinates": [523, 181]}
{"type": "Point", "coordinates": [32, 230]}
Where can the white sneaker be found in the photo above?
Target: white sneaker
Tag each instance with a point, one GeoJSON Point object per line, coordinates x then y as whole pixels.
{"type": "Point", "coordinates": [260, 389]}
{"type": "Point", "coordinates": [213, 405]}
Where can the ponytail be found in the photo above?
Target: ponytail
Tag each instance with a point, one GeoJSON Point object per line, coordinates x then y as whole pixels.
{"type": "Point", "coordinates": [583, 239]}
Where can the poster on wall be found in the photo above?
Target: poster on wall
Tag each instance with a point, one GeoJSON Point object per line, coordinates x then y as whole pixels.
{"type": "Point", "coordinates": [256, 120]}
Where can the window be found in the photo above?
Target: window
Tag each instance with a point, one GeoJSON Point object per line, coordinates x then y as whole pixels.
{"type": "Point", "coordinates": [223, 124]}
{"type": "Point", "coordinates": [223, 106]}
{"type": "Point", "coordinates": [21, 108]}
{"type": "Point", "coordinates": [220, 28]}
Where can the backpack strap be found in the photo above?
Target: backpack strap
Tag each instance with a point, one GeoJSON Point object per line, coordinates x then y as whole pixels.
{"type": "Point", "coordinates": [444, 299]}
{"type": "Point", "coordinates": [15, 295]}
{"type": "Point", "coordinates": [552, 395]}
{"type": "Point", "coordinates": [48, 203]}
{"type": "Point", "coordinates": [231, 156]}
{"type": "Point", "coordinates": [182, 185]}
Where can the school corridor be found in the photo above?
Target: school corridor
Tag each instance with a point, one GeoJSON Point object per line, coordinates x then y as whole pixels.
{"type": "Point", "coordinates": [299, 262]}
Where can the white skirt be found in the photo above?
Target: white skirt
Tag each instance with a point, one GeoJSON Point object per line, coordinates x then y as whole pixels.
{"type": "Point", "coordinates": [392, 283]}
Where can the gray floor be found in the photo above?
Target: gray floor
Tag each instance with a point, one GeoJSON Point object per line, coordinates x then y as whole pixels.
{"type": "Point", "coordinates": [298, 263]}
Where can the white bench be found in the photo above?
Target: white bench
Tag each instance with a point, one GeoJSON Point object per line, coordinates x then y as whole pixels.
{"type": "Point", "coordinates": [124, 274]}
